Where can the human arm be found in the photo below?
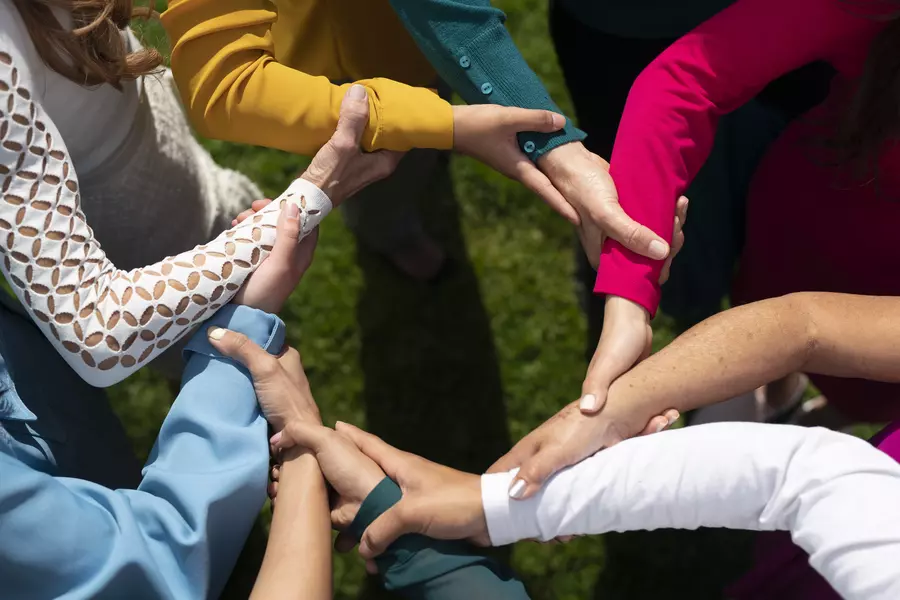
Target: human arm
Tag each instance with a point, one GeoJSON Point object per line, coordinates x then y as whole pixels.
{"type": "Point", "coordinates": [179, 533]}
{"type": "Point", "coordinates": [234, 88]}
{"type": "Point", "coordinates": [836, 494]}
{"type": "Point", "coordinates": [104, 321]}
{"type": "Point", "coordinates": [668, 125]}
{"type": "Point", "coordinates": [735, 351]}
{"type": "Point", "coordinates": [415, 566]}
{"type": "Point", "coordinates": [297, 563]}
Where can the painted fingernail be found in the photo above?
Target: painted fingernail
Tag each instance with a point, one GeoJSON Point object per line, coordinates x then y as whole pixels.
{"type": "Point", "coordinates": [293, 211]}
{"type": "Point", "coordinates": [658, 250]}
{"type": "Point", "coordinates": [215, 333]}
{"type": "Point", "coordinates": [517, 489]}
{"type": "Point", "coordinates": [357, 92]}
{"type": "Point", "coordinates": [662, 425]}
{"type": "Point", "coordinates": [673, 418]}
{"type": "Point", "coordinates": [588, 402]}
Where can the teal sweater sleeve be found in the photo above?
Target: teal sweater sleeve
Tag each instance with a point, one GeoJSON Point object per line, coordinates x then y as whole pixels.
{"type": "Point", "coordinates": [419, 568]}
{"type": "Point", "coordinates": [470, 48]}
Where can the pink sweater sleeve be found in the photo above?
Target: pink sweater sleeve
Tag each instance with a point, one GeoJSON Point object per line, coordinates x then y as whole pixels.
{"type": "Point", "coordinates": [670, 118]}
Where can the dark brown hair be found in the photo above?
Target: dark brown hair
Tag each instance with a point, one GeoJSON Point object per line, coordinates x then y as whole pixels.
{"type": "Point", "coordinates": [93, 52]}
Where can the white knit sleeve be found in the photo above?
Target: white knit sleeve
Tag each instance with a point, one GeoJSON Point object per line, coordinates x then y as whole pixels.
{"type": "Point", "coordinates": [106, 322]}
{"type": "Point", "coordinates": [837, 495]}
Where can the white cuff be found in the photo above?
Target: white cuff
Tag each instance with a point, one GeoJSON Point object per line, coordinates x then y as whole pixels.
{"type": "Point", "coordinates": [314, 203]}
{"type": "Point", "coordinates": [498, 507]}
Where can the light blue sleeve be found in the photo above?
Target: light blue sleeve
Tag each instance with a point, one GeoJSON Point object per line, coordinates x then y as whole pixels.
{"type": "Point", "coordinates": [179, 534]}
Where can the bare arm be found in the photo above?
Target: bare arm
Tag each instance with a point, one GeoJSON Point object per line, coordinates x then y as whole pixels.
{"type": "Point", "coordinates": [298, 556]}
{"type": "Point", "coordinates": [831, 334]}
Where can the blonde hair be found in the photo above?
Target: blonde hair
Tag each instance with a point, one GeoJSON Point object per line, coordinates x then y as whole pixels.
{"type": "Point", "coordinates": [93, 52]}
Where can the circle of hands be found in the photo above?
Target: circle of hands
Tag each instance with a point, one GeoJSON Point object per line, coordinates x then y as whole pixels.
{"type": "Point", "coordinates": [438, 501]}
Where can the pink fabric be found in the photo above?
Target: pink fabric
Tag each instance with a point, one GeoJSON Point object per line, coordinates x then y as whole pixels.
{"type": "Point", "coordinates": [670, 118]}
{"type": "Point", "coordinates": [782, 571]}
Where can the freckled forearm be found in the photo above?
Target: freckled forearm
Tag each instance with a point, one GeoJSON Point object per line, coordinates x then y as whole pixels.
{"type": "Point", "coordinates": [726, 355]}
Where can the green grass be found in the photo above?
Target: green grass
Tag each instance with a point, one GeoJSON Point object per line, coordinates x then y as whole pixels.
{"type": "Point", "coordinates": [458, 370]}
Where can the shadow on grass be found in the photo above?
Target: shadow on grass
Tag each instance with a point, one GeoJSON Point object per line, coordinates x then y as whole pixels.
{"type": "Point", "coordinates": [432, 381]}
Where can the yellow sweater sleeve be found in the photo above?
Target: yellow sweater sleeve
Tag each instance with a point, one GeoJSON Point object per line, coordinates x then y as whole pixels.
{"type": "Point", "coordinates": [234, 89]}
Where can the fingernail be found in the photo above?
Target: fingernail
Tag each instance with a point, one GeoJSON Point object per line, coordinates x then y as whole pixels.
{"type": "Point", "coordinates": [293, 211]}
{"type": "Point", "coordinates": [589, 402]}
{"type": "Point", "coordinates": [658, 250]}
{"type": "Point", "coordinates": [559, 121]}
{"type": "Point", "coordinates": [216, 333]}
{"type": "Point", "coordinates": [275, 439]}
{"type": "Point", "coordinates": [357, 92]}
{"type": "Point", "coordinates": [661, 426]}
{"type": "Point", "coordinates": [517, 489]}
{"type": "Point", "coordinates": [673, 418]}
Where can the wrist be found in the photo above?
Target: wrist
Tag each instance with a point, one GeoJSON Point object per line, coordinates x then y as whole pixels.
{"type": "Point", "coordinates": [563, 159]}
{"type": "Point", "coordinates": [618, 308]}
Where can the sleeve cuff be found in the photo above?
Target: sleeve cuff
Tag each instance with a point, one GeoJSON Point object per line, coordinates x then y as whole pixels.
{"type": "Point", "coordinates": [629, 275]}
{"type": "Point", "coordinates": [409, 117]}
{"type": "Point", "coordinates": [262, 328]}
{"type": "Point", "coordinates": [489, 57]}
{"type": "Point", "coordinates": [503, 529]}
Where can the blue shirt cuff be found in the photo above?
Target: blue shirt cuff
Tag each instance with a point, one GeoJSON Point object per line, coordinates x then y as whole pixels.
{"type": "Point", "coordinates": [263, 329]}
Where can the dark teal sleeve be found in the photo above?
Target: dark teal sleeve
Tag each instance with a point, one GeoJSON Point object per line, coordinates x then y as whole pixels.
{"type": "Point", "coordinates": [470, 48]}
{"type": "Point", "coordinates": [419, 568]}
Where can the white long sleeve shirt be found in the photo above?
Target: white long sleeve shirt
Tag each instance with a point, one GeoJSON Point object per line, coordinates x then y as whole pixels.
{"type": "Point", "coordinates": [837, 495]}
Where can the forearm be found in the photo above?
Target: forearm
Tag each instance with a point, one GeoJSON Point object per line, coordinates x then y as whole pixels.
{"type": "Point", "coordinates": [223, 59]}
{"type": "Point", "coordinates": [419, 568]}
{"type": "Point", "coordinates": [740, 349]}
{"type": "Point", "coordinates": [468, 45]}
{"type": "Point", "coordinates": [297, 563]}
{"type": "Point", "coordinates": [740, 476]}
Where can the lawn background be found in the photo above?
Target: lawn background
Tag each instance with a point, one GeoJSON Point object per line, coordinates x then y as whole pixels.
{"type": "Point", "coordinates": [456, 371]}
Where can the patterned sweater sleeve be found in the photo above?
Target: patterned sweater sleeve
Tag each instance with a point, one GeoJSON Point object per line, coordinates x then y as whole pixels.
{"type": "Point", "coordinates": [106, 322]}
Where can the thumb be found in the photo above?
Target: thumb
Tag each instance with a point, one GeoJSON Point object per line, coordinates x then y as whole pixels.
{"type": "Point", "coordinates": [601, 373]}
{"type": "Point", "coordinates": [633, 235]}
{"type": "Point", "coordinates": [287, 234]}
{"type": "Point", "coordinates": [535, 471]}
{"type": "Point", "coordinates": [239, 347]}
{"type": "Point", "coordinates": [384, 531]}
{"type": "Point", "coordinates": [524, 119]}
{"type": "Point", "coordinates": [385, 456]}
{"type": "Point", "coordinates": [300, 433]}
{"type": "Point", "coordinates": [353, 118]}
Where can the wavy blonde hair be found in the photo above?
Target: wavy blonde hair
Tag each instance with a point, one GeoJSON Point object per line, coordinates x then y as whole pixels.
{"type": "Point", "coordinates": [93, 52]}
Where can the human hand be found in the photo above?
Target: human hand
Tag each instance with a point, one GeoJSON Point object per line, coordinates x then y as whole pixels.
{"type": "Point", "coordinates": [487, 132]}
{"type": "Point", "coordinates": [438, 501]}
{"type": "Point", "coordinates": [340, 168]}
{"type": "Point", "coordinates": [565, 439]}
{"type": "Point", "coordinates": [583, 179]}
{"type": "Point", "coordinates": [626, 338]}
{"type": "Point", "coordinates": [351, 474]}
{"type": "Point", "coordinates": [279, 273]}
{"type": "Point", "coordinates": [281, 386]}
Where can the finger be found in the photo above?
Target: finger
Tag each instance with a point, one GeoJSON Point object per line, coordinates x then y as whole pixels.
{"type": "Point", "coordinates": [514, 458]}
{"type": "Point", "coordinates": [532, 178]}
{"type": "Point", "coordinates": [243, 215]}
{"type": "Point", "coordinates": [661, 422]}
{"type": "Point", "coordinates": [385, 456]}
{"type": "Point", "coordinates": [258, 205]}
{"type": "Point", "coordinates": [535, 471]}
{"type": "Point", "coordinates": [287, 234]}
{"type": "Point", "coordinates": [301, 433]}
{"type": "Point", "coordinates": [371, 567]}
{"type": "Point", "coordinates": [272, 490]}
{"type": "Point", "coordinates": [275, 475]}
{"type": "Point", "coordinates": [238, 346]}
{"type": "Point", "coordinates": [384, 531]}
{"type": "Point", "coordinates": [524, 119]}
{"type": "Point", "coordinates": [344, 542]}
{"type": "Point", "coordinates": [681, 208]}
{"type": "Point", "coordinates": [633, 235]}
{"type": "Point", "coordinates": [353, 118]}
